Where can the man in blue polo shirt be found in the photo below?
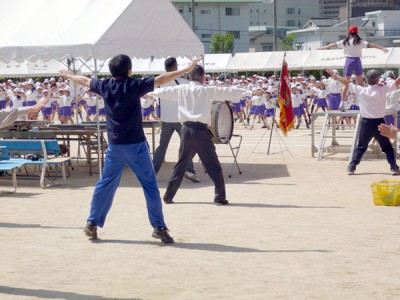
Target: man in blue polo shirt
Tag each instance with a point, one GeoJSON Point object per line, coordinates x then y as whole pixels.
{"type": "Point", "coordinates": [127, 142]}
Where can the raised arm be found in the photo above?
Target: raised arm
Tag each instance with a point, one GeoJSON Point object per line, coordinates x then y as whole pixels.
{"type": "Point", "coordinates": [371, 45]}
{"type": "Point", "coordinates": [79, 79]}
{"type": "Point", "coordinates": [339, 78]}
{"type": "Point", "coordinates": [169, 76]}
{"type": "Point", "coordinates": [333, 45]}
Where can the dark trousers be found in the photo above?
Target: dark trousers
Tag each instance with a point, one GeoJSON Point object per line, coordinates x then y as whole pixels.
{"type": "Point", "coordinates": [167, 130]}
{"type": "Point", "coordinates": [369, 130]}
{"type": "Point", "coordinates": [196, 138]}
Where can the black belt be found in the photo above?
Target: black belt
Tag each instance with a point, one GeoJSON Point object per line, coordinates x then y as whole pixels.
{"type": "Point", "coordinates": [196, 124]}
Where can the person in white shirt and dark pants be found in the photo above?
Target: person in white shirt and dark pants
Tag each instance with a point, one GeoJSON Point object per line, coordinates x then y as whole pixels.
{"type": "Point", "coordinates": [194, 107]}
{"type": "Point", "coordinates": [372, 110]}
{"type": "Point", "coordinates": [170, 123]}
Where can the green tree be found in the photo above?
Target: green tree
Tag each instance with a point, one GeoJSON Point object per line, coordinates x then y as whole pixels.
{"type": "Point", "coordinates": [287, 43]}
{"type": "Point", "coordinates": [222, 43]}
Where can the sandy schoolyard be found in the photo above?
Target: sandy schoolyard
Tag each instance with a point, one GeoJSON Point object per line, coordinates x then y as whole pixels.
{"type": "Point", "coordinates": [297, 228]}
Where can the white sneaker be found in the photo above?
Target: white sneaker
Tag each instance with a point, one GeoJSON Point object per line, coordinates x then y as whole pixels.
{"type": "Point", "coordinates": [191, 176]}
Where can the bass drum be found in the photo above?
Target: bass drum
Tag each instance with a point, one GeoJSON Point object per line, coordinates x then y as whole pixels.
{"type": "Point", "coordinates": [221, 122]}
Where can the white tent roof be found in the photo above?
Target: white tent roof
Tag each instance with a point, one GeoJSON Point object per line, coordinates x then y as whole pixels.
{"type": "Point", "coordinates": [294, 59]}
{"type": "Point", "coordinates": [219, 63]}
{"type": "Point", "coordinates": [253, 61]}
{"type": "Point", "coordinates": [48, 29]}
{"type": "Point", "coordinates": [321, 59]}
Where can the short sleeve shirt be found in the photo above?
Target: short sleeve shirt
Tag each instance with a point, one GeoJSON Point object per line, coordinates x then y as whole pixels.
{"type": "Point", "coordinates": [351, 50]}
{"type": "Point", "coordinates": [122, 102]}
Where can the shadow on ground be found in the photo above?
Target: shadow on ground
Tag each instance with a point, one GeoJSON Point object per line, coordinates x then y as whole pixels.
{"type": "Point", "coordinates": [50, 294]}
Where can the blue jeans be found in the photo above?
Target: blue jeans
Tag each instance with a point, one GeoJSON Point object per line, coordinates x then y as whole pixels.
{"type": "Point", "coordinates": [137, 157]}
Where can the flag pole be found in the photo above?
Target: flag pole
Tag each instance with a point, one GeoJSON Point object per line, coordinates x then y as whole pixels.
{"type": "Point", "coordinates": [274, 117]}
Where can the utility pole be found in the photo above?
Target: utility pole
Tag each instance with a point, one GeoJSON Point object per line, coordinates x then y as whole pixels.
{"type": "Point", "coordinates": [274, 19]}
{"type": "Point", "coordinates": [348, 14]}
{"type": "Point", "coordinates": [193, 23]}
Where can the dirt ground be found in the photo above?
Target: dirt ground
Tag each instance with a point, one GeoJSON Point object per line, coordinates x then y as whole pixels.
{"type": "Point", "coordinates": [296, 228]}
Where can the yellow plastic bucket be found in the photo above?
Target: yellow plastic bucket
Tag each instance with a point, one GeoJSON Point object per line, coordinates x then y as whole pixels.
{"type": "Point", "coordinates": [386, 192]}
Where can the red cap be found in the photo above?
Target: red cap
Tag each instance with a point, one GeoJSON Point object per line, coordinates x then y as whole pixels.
{"type": "Point", "coordinates": [353, 29]}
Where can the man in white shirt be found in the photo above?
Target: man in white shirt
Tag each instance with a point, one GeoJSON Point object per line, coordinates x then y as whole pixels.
{"type": "Point", "coordinates": [372, 110]}
{"type": "Point", "coordinates": [9, 115]}
{"type": "Point", "coordinates": [194, 108]}
{"type": "Point", "coordinates": [170, 123]}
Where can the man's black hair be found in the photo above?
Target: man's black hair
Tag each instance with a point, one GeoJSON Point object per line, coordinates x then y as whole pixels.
{"type": "Point", "coordinates": [197, 73]}
{"type": "Point", "coordinates": [170, 64]}
{"type": "Point", "coordinates": [372, 77]}
{"type": "Point", "coordinates": [120, 65]}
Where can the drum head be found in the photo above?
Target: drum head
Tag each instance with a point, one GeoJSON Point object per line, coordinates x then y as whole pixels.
{"type": "Point", "coordinates": [223, 123]}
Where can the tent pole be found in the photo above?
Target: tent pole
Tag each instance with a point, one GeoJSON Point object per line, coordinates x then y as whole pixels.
{"type": "Point", "coordinates": [99, 147]}
{"type": "Point", "coordinates": [75, 93]}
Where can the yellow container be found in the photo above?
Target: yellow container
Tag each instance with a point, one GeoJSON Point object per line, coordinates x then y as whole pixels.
{"type": "Point", "coordinates": [386, 192]}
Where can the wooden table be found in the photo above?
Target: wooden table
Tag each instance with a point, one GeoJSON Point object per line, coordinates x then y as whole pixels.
{"type": "Point", "coordinates": [85, 135]}
{"type": "Point", "coordinates": [103, 126]}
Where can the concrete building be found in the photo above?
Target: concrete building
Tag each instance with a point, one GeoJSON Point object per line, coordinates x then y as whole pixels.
{"type": "Point", "coordinates": [218, 16]}
{"type": "Point", "coordinates": [378, 27]}
{"type": "Point", "coordinates": [290, 13]}
{"type": "Point", "coordinates": [331, 8]}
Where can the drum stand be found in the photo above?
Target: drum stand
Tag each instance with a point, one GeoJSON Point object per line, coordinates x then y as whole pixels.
{"type": "Point", "coordinates": [235, 153]}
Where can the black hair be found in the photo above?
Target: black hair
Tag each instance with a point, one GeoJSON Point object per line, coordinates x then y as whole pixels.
{"type": "Point", "coordinates": [197, 73]}
{"type": "Point", "coordinates": [372, 77]}
{"type": "Point", "coordinates": [356, 39]}
{"type": "Point", "coordinates": [170, 64]}
{"type": "Point", "coordinates": [120, 65]}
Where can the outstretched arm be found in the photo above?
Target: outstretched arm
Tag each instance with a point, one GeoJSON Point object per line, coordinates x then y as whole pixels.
{"type": "Point", "coordinates": [79, 79]}
{"type": "Point", "coordinates": [371, 45]}
{"type": "Point", "coordinates": [169, 76]}
{"type": "Point", "coordinates": [333, 45]}
{"type": "Point", "coordinates": [338, 77]}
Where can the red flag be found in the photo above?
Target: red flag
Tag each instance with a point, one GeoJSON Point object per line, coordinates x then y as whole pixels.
{"type": "Point", "coordinates": [286, 117]}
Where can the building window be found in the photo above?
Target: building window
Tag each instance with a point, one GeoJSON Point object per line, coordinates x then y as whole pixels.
{"type": "Point", "coordinates": [236, 34]}
{"type": "Point", "coordinates": [290, 11]}
{"type": "Point", "coordinates": [190, 9]}
{"type": "Point", "coordinates": [266, 47]}
{"type": "Point", "coordinates": [251, 23]}
{"type": "Point", "coordinates": [299, 11]}
{"type": "Point", "coordinates": [251, 10]}
{"type": "Point", "coordinates": [181, 10]}
{"type": "Point", "coordinates": [206, 36]}
{"type": "Point", "coordinates": [291, 23]}
{"type": "Point", "coordinates": [232, 11]}
{"type": "Point", "coordinates": [205, 12]}
{"type": "Point", "coordinates": [298, 24]}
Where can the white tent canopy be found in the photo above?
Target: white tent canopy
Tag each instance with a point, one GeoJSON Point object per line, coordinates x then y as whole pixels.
{"type": "Point", "coordinates": [253, 61]}
{"type": "Point", "coordinates": [48, 29]}
{"type": "Point", "coordinates": [219, 63]}
{"type": "Point", "coordinates": [321, 59]}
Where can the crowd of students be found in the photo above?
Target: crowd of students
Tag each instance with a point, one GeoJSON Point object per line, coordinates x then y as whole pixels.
{"type": "Point", "coordinates": [63, 102]}
{"type": "Point", "coordinates": [307, 93]}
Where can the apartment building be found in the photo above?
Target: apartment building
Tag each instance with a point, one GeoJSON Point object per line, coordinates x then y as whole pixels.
{"type": "Point", "coordinates": [289, 13]}
{"type": "Point", "coordinates": [218, 16]}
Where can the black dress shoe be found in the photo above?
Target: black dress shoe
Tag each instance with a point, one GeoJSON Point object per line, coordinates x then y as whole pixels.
{"type": "Point", "coordinates": [168, 201]}
{"type": "Point", "coordinates": [221, 201]}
